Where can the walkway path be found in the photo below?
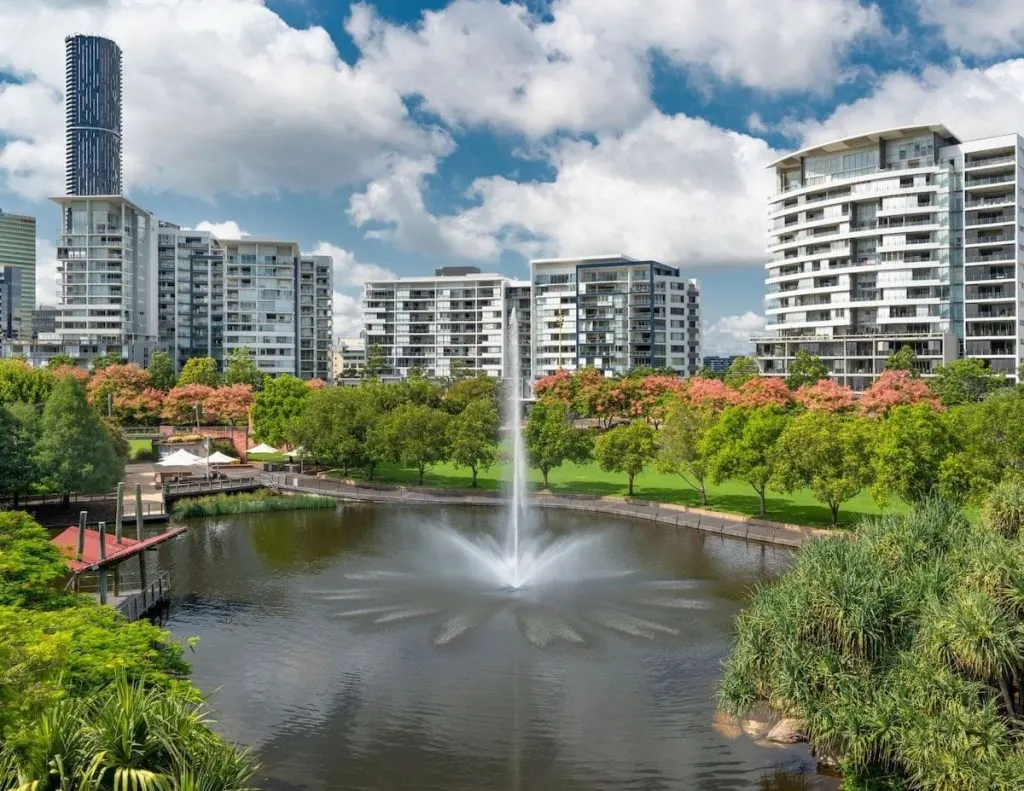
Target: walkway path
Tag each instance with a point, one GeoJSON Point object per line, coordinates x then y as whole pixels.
{"type": "Point", "coordinates": [714, 522]}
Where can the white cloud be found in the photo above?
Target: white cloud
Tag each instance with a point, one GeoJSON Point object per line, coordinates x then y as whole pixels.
{"type": "Point", "coordinates": [348, 272]}
{"type": "Point", "coordinates": [731, 334]}
{"type": "Point", "coordinates": [220, 95]}
{"type": "Point", "coordinates": [222, 230]}
{"type": "Point", "coordinates": [981, 27]}
{"type": "Point", "coordinates": [46, 272]}
{"type": "Point", "coordinates": [973, 102]}
{"type": "Point", "coordinates": [394, 206]}
{"type": "Point", "coordinates": [673, 188]}
{"type": "Point", "coordinates": [586, 65]}
{"type": "Point", "coordinates": [348, 316]}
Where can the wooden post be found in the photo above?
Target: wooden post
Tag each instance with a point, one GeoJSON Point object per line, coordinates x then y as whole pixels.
{"type": "Point", "coordinates": [138, 534]}
{"type": "Point", "coordinates": [83, 518]}
{"type": "Point", "coordinates": [119, 513]}
{"type": "Point", "coordinates": [117, 580]}
{"type": "Point", "coordinates": [103, 556]}
{"type": "Point", "coordinates": [138, 511]}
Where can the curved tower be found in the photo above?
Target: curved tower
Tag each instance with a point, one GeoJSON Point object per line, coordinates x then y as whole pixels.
{"type": "Point", "coordinates": [93, 106]}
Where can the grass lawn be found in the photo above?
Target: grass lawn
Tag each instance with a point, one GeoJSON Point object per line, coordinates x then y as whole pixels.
{"type": "Point", "coordinates": [137, 446]}
{"type": "Point", "coordinates": [732, 496]}
{"type": "Point", "coordinates": [273, 458]}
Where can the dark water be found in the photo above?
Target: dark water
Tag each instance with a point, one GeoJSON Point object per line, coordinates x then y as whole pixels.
{"type": "Point", "coordinates": [337, 646]}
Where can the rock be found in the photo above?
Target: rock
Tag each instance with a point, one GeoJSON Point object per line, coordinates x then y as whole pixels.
{"type": "Point", "coordinates": [756, 729]}
{"type": "Point", "coordinates": [726, 726]}
{"type": "Point", "coordinates": [787, 731]}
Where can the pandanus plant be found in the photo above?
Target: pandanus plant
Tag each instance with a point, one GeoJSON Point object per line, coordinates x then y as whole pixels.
{"type": "Point", "coordinates": [125, 737]}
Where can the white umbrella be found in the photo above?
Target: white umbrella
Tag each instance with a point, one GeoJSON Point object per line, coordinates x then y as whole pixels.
{"type": "Point", "coordinates": [180, 458]}
{"type": "Point", "coordinates": [297, 452]}
{"type": "Point", "coordinates": [218, 458]}
{"type": "Point", "coordinates": [262, 448]}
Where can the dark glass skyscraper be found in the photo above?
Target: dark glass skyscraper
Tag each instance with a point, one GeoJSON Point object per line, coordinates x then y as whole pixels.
{"type": "Point", "coordinates": [93, 104]}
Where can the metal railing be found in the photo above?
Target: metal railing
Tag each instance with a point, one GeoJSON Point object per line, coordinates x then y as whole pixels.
{"type": "Point", "coordinates": [138, 604]}
{"type": "Point", "coordinates": [204, 485]}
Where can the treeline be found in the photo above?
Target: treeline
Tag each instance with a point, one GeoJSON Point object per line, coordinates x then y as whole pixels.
{"type": "Point", "coordinates": [88, 700]}
{"type": "Point", "coordinates": [904, 438]}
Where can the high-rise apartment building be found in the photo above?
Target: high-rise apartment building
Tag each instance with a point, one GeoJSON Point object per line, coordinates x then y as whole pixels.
{"type": "Point", "coordinates": [10, 303]}
{"type": "Point", "coordinates": [93, 116]}
{"type": "Point", "coordinates": [613, 313]}
{"type": "Point", "coordinates": [18, 249]}
{"type": "Point", "coordinates": [217, 295]}
{"type": "Point", "coordinates": [453, 320]}
{"type": "Point", "coordinates": [107, 278]}
{"type": "Point", "coordinates": [348, 358]}
{"type": "Point", "coordinates": [900, 237]}
{"type": "Point", "coordinates": [277, 303]}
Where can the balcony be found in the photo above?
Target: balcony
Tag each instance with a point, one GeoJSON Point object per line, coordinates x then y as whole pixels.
{"type": "Point", "coordinates": [989, 161]}
{"type": "Point", "coordinates": [992, 238]}
{"type": "Point", "coordinates": [994, 201]}
{"type": "Point", "coordinates": [985, 181]}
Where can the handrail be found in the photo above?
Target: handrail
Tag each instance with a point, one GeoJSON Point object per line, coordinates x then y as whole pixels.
{"type": "Point", "coordinates": [138, 604]}
{"type": "Point", "coordinates": [211, 485]}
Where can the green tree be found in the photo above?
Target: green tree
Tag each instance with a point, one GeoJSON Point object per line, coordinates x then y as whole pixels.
{"type": "Point", "coordinates": [626, 449]}
{"type": "Point", "coordinates": [682, 450]}
{"type": "Point", "coordinates": [161, 371]}
{"type": "Point", "coordinates": [417, 389]}
{"type": "Point", "coordinates": [242, 369]}
{"type": "Point", "coordinates": [19, 382]}
{"type": "Point", "coordinates": [333, 424]}
{"type": "Point", "coordinates": [473, 436]}
{"type": "Point", "coordinates": [913, 442]}
{"type": "Point", "coordinates": [744, 441]}
{"type": "Point", "coordinates": [103, 360]}
{"type": "Point", "coordinates": [61, 359]}
{"type": "Point", "coordinates": [75, 451]}
{"type": "Point", "coordinates": [18, 469]}
{"type": "Point", "coordinates": [828, 453]}
{"type": "Point", "coordinates": [198, 371]}
{"type": "Point", "coordinates": [741, 370]}
{"type": "Point", "coordinates": [376, 363]}
{"type": "Point", "coordinates": [281, 400]}
{"type": "Point", "coordinates": [903, 359]}
{"type": "Point", "coordinates": [706, 373]}
{"type": "Point", "coordinates": [463, 391]}
{"type": "Point", "coordinates": [965, 381]}
{"type": "Point", "coordinates": [989, 435]}
{"type": "Point", "coordinates": [417, 436]}
{"type": "Point", "coordinates": [806, 369]}
{"type": "Point", "coordinates": [31, 566]}
{"type": "Point", "coordinates": [551, 438]}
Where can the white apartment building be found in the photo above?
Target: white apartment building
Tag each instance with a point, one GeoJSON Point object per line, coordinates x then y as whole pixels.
{"type": "Point", "coordinates": [455, 318]}
{"type": "Point", "coordinates": [107, 272]}
{"type": "Point", "coordinates": [613, 313]}
{"type": "Point", "coordinates": [348, 356]}
{"type": "Point", "coordinates": [899, 237]}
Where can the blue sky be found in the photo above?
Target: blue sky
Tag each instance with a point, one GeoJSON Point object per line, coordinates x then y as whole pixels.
{"type": "Point", "coordinates": [400, 135]}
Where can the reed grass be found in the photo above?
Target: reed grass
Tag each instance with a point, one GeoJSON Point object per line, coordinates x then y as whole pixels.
{"type": "Point", "coordinates": [248, 503]}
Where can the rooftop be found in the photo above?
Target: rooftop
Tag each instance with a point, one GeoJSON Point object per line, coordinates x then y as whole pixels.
{"type": "Point", "coordinates": [860, 141]}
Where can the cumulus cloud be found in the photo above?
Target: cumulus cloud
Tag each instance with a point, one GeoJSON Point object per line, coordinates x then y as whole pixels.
{"type": "Point", "coordinates": [46, 272]}
{"type": "Point", "coordinates": [731, 334]}
{"type": "Point", "coordinates": [585, 65]}
{"type": "Point", "coordinates": [223, 230]}
{"type": "Point", "coordinates": [348, 272]}
{"type": "Point", "coordinates": [393, 208]}
{"type": "Point", "coordinates": [973, 102]}
{"type": "Point", "coordinates": [673, 188]}
{"type": "Point", "coordinates": [348, 315]}
{"type": "Point", "coordinates": [219, 96]}
{"type": "Point", "coordinates": [981, 27]}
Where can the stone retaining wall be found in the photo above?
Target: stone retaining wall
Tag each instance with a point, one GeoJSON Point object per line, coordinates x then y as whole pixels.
{"type": "Point", "coordinates": [732, 525]}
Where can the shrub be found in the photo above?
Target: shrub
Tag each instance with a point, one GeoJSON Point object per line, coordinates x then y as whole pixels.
{"type": "Point", "coordinates": [256, 502]}
{"type": "Point", "coordinates": [1004, 510]}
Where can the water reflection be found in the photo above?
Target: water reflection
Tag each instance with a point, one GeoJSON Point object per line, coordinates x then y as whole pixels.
{"type": "Point", "coordinates": [405, 695]}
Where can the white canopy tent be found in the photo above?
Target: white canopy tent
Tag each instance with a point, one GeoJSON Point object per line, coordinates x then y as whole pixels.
{"type": "Point", "coordinates": [263, 448]}
{"type": "Point", "coordinates": [218, 458]}
{"type": "Point", "coordinates": [297, 452]}
{"type": "Point", "coordinates": [180, 458]}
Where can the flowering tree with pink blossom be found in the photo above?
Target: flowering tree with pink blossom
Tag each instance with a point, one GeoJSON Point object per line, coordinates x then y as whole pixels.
{"type": "Point", "coordinates": [896, 388]}
{"type": "Point", "coordinates": [826, 396]}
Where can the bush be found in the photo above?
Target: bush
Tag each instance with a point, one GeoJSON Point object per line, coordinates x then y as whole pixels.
{"type": "Point", "coordinates": [1004, 510]}
{"type": "Point", "coordinates": [256, 502]}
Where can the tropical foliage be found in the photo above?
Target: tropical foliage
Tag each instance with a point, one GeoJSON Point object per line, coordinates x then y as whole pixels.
{"type": "Point", "coordinates": [899, 651]}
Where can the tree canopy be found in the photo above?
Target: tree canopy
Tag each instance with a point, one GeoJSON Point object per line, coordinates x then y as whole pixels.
{"type": "Point", "coordinates": [473, 436]}
{"type": "Point", "coordinates": [806, 369]}
{"type": "Point", "coordinates": [198, 371]}
{"type": "Point", "coordinates": [279, 402]}
{"type": "Point", "coordinates": [241, 369]}
{"type": "Point", "coordinates": [161, 371]}
{"type": "Point", "coordinates": [626, 449]}
{"type": "Point", "coordinates": [965, 381]}
{"type": "Point", "coordinates": [551, 439]}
